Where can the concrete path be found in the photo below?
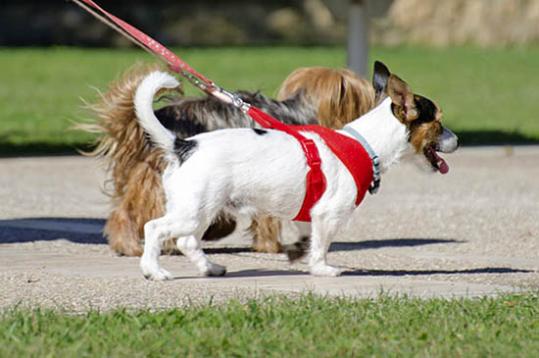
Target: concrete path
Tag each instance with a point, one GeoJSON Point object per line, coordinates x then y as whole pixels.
{"type": "Point", "coordinates": [472, 232]}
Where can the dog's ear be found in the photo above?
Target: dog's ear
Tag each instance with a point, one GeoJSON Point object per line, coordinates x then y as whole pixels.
{"type": "Point", "coordinates": [403, 98]}
{"type": "Point", "coordinates": [379, 78]}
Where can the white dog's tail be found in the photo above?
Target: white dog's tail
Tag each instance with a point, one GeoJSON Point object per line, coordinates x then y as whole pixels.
{"type": "Point", "coordinates": [146, 92]}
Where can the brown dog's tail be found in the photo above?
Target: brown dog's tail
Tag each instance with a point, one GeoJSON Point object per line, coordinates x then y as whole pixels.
{"type": "Point", "coordinates": [134, 165]}
{"type": "Point", "coordinates": [121, 141]}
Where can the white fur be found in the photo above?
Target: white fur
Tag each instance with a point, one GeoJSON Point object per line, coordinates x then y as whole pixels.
{"type": "Point", "coordinates": [146, 91]}
{"type": "Point", "coordinates": [247, 173]}
{"type": "Point", "coordinates": [388, 139]}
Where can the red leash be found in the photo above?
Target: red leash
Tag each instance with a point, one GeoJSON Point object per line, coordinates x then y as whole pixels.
{"type": "Point", "coordinates": [175, 63]}
{"type": "Point", "coordinates": [316, 183]}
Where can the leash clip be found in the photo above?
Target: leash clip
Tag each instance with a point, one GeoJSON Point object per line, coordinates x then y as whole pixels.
{"type": "Point", "coordinates": [235, 100]}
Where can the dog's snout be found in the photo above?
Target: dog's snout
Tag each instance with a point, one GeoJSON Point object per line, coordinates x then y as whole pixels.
{"type": "Point", "coordinates": [447, 142]}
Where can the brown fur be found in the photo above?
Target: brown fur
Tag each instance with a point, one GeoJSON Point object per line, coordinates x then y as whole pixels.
{"type": "Point", "coordinates": [425, 134]}
{"type": "Point", "coordinates": [422, 116]}
{"type": "Point", "coordinates": [339, 95]}
{"type": "Point", "coordinates": [134, 165]}
{"type": "Point", "coordinates": [266, 232]}
{"type": "Point", "coordinates": [427, 131]}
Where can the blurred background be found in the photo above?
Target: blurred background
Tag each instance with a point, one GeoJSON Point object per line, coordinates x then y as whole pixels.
{"type": "Point", "coordinates": [478, 58]}
{"type": "Point", "coordinates": [293, 22]}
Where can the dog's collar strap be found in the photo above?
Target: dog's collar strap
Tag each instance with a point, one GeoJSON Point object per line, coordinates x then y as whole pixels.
{"type": "Point", "coordinates": [376, 176]}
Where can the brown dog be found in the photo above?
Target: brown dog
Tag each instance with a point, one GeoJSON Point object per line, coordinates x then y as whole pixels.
{"type": "Point", "coordinates": [331, 97]}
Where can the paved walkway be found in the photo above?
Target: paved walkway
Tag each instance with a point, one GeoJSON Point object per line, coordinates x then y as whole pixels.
{"type": "Point", "coordinates": [472, 232]}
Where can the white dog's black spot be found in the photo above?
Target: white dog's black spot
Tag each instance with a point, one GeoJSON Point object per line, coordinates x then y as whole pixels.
{"type": "Point", "coordinates": [184, 148]}
{"type": "Point", "coordinates": [223, 226]}
{"type": "Point", "coordinates": [260, 131]}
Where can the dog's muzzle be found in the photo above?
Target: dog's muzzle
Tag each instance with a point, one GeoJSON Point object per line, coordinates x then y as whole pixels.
{"type": "Point", "coordinates": [448, 142]}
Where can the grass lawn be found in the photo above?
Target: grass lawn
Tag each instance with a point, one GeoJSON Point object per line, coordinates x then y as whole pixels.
{"type": "Point", "coordinates": [506, 326]}
{"type": "Point", "coordinates": [488, 96]}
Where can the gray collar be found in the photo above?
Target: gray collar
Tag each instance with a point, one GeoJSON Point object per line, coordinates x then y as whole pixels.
{"type": "Point", "coordinates": [376, 176]}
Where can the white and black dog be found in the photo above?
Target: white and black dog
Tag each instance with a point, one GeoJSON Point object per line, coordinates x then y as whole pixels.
{"type": "Point", "coordinates": [251, 171]}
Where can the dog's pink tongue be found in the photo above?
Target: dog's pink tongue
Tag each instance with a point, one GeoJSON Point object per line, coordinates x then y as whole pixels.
{"type": "Point", "coordinates": [442, 165]}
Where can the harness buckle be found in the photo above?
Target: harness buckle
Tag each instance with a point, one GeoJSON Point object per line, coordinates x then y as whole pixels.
{"type": "Point", "coordinates": [313, 156]}
{"type": "Point", "coordinates": [376, 177]}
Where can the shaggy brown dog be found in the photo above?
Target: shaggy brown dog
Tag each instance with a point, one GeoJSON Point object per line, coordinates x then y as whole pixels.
{"type": "Point", "coordinates": [332, 97]}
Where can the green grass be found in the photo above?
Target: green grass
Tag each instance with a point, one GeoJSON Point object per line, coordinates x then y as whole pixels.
{"type": "Point", "coordinates": [507, 326]}
{"type": "Point", "coordinates": [488, 96]}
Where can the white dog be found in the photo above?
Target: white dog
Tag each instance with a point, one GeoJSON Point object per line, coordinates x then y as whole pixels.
{"type": "Point", "coordinates": [251, 171]}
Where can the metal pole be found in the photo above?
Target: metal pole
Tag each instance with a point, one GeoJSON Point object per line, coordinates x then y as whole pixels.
{"type": "Point", "coordinates": [358, 37]}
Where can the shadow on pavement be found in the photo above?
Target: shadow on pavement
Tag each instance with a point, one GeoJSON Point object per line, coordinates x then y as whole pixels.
{"type": "Point", "coordinates": [378, 244]}
{"type": "Point", "coordinates": [77, 230]}
{"type": "Point", "coordinates": [487, 270]}
{"type": "Point", "coordinates": [484, 270]}
{"type": "Point", "coordinates": [263, 273]}
{"type": "Point", "coordinates": [227, 250]}
{"type": "Point", "coordinates": [277, 273]}
{"type": "Point", "coordinates": [350, 246]}
{"type": "Point", "coordinates": [246, 273]}
{"type": "Point", "coordinates": [40, 149]}
{"type": "Point", "coordinates": [494, 137]}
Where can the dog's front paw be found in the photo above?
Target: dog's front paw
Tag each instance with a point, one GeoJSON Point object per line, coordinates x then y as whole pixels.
{"type": "Point", "coordinates": [155, 273]}
{"type": "Point", "coordinates": [325, 270]}
{"type": "Point", "coordinates": [160, 275]}
{"type": "Point", "coordinates": [214, 270]}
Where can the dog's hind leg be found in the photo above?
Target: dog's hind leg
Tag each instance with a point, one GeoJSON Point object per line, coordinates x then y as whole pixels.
{"type": "Point", "coordinates": [191, 248]}
{"type": "Point", "coordinates": [324, 228]}
{"type": "Point", "coordinates": [122, 233]}
{"type": "Point", "coordinates": [266, 233]}
{"type": "Point", "coordinates": [155, 233]}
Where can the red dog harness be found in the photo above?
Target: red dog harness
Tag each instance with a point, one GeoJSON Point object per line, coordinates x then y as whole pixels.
{"type": "Point", "coordinates": [355, 156]}
{"type": "Point", "coordinates": [349, 151]}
